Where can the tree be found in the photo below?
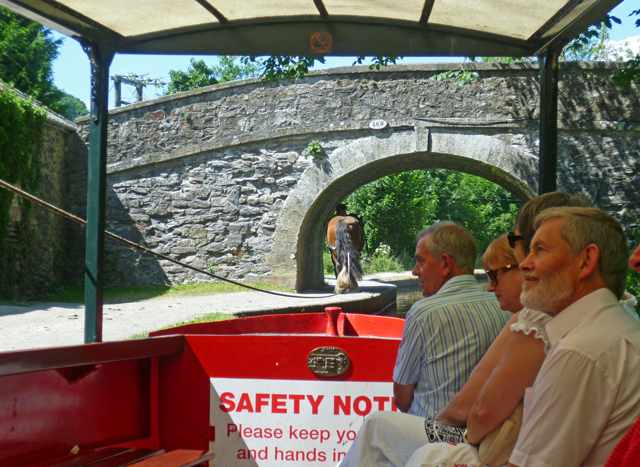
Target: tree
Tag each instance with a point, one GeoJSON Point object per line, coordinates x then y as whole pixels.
{"type": "Point", "coordinates": [631, 72]}
{"type": "Point", "coordinates": [74, 107]}
{"type": "Point", "coordinates": [27, 51]}
{"type": "Point", "coordinates": [593, 44]}
{"type": "Point", "coordinates": [395, 208]}
{"type": "Point", "coordinates": [199, 74]}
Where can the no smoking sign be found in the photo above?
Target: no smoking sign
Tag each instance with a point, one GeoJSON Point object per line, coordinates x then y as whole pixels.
{"type": "Point", "coordinates": [321, 42]}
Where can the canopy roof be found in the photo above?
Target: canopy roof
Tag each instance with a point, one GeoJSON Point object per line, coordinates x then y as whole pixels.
{"type": "Point", "coordinates": [331, 27]}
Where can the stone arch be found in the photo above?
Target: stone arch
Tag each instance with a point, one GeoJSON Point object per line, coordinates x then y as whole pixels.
{"type": "Point", "coordinates": [302, 222]}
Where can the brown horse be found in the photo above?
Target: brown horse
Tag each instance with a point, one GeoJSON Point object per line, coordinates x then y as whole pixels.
{"type": "Point", "coordinates": [345, 237]}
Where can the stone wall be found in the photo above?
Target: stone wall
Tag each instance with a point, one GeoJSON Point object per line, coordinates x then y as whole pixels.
{"type": "Point", "coordinates": [55, 251]}
{"type": "Point", "coordinates": [222, 178]}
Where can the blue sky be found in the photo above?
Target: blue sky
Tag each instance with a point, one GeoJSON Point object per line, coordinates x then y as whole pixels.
{"type": "Point", "coordinates": [72, 71]}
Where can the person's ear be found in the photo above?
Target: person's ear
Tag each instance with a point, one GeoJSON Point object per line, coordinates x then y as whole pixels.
{"type": "Point", "coordinates": [447, 264]}
{"type": "Point", "coordinates": [589, 260]}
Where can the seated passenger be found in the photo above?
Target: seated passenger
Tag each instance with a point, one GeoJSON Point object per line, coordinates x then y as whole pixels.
{"type": "Point", "coordinates": [447, 332]}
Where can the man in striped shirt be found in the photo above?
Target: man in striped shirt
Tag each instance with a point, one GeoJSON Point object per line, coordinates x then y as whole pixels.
{"type": "Point", "coordinates": [447, 332]}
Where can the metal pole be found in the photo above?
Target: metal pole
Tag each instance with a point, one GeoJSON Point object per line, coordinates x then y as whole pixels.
{"type": "Point", "coordinates": [118, 90]}
{"type": "Point", "coordinates": [96, 190]}
{"type": "Point", "coordinates": [548, 159]}
{"type": "Point", "coordinates": [139, 87]}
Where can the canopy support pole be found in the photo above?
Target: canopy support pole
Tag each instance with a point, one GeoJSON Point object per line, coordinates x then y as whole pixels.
{"type": "Point", "coordinates": [100, 58]}
{"type": "Point", "coordinates": [548, 159]}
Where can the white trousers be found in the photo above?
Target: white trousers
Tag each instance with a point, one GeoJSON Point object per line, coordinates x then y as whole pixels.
{"type": "Point", "coordinates": [386, 439]}
{"type": "Point", "coordinates": [445, 455]}
{"type": "Point", "coordinates": [394, 439]}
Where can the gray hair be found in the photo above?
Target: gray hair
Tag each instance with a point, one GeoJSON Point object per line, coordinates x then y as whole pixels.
{"type": "Point", "coordinates": [585, 226]}
{"type": "Point", "coordinates": [451, 239]}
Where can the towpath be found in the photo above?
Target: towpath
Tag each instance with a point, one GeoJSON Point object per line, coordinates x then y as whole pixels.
{"type": "Point", "coordinates": [57, 324]}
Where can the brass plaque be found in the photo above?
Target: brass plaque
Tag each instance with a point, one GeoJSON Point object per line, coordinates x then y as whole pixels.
{"type": "Point", "coordinates": [328, 361]}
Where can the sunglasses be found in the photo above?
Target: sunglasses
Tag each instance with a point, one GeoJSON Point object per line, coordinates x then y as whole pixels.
{"type": "Point", "coordinates": [512, 238]}
{"type": "Point", "coordinates": [493, 274]}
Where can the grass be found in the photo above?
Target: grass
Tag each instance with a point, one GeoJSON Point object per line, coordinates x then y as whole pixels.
{"type": "Point", "coordinates": [112, 295]}
{"type": "Point", "coordinates": [200, 319]}
{"type": "Point", "coordinates": [381, 261]}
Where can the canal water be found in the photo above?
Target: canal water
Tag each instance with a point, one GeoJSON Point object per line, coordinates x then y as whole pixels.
{"type": "Point", "coordinates": [405, 298]}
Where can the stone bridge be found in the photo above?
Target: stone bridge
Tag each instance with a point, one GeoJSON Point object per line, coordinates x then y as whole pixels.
{"type": "Point", "coordinates": [225, 178]}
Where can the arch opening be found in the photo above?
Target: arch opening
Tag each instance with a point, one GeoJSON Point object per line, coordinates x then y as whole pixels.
{"type": "Point", "coordinates": [302, 225]}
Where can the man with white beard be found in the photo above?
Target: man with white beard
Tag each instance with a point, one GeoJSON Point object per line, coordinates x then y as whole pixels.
{"type": "Point", "coordinates": [587, 393]}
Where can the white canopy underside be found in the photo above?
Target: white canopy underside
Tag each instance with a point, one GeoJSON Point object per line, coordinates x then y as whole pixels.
{"type": "Point", "coordinates": [345, 27]}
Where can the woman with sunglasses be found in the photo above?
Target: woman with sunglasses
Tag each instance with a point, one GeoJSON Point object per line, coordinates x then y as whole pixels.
{"type": "Point", "coordinates": [512, 362]}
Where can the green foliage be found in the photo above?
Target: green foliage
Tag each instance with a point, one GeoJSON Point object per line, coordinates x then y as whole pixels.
{"type": "Point", "coordinates": [383, 260]}
{"type": "Point", "coordinates": [199, 74]}
{"type": "Point", "coordinates": [74, 107]}
{"type": "Point", "coordinates": [460, 77]}
{"type": "Point", "coordinates": [395, 208]}
{"type": "Point", "coordinates": [315, 149]}
{"type": "Point", "coordinates": [21, 140]}
{"type": "Point", "coordinates": [591, 45]}
{"type": "Point", "coordinates": [377, 61]}
{"type": "Point", "coordinates": [27, 51]}
{"type": "Point", "coordinates": [282, 67]}
{"type": "Point", "coordinates": [631, 72]}
{"type": "Point", "coordinates": [329, 270]}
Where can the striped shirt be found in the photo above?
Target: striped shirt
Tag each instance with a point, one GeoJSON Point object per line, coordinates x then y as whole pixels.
{"type": "Point", "coordinates": [444, 337]}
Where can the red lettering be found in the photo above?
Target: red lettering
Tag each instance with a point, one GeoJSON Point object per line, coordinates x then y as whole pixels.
{"type": "Point", "coordinates": [296, 398]}
{"type": "Point", "coordinates": [367, 405]}
{"type": "Point", "coordinates": [262, 400]}
{"type": "Point", "coordinates": [228, 405]}
{"type": "Point", "coordinates": [345, 405]}
{"type": "Point", "coordinates": [381, 401]}
{"type": "Point", "coordinates": [245, 403]}
{"type": "Point", "coordinates": [315, 403]}
{"type": "Point", "coordinates": [231, 428]}
{"type": "Point", "coordinates": [279, 403]}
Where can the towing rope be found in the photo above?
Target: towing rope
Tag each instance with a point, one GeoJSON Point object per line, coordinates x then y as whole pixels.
{"type": "Point", "coordinates": [144, 249]}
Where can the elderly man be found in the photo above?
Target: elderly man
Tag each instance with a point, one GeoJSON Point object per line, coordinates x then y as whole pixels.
{"type": "Point", "coordinates": [587, 393]}
{"type": "Point", "coordinates": [447, 332]}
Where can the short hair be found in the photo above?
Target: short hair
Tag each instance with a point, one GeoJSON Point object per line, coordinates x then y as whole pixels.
{"type": "Point", "coordinates": [498, 254]}
{"type": "Point", "coordinates": [585, 226]}
{"type": "Point", "coordinates": [525, 218]}
{"type": "Point", "coordinates": [451, 239]}
{"type": "Point", "coordinates": [341, 207]}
